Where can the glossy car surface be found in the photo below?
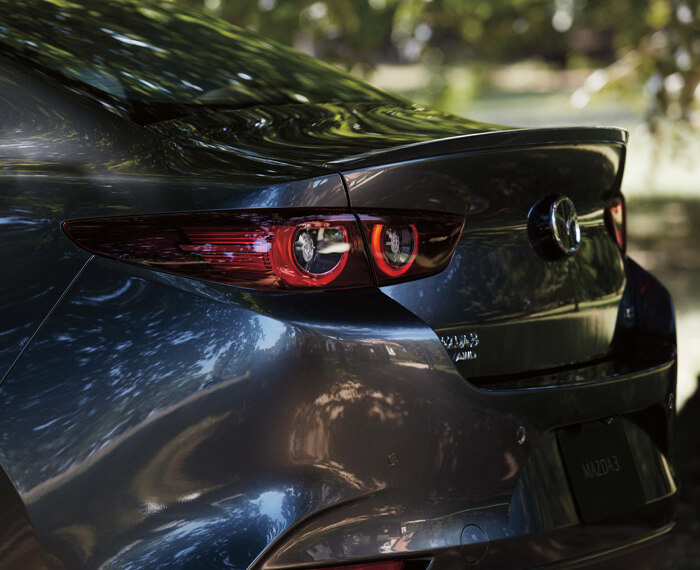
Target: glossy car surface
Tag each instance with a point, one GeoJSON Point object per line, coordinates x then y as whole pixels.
{"type": "Point", "coordinates": [509, 406]}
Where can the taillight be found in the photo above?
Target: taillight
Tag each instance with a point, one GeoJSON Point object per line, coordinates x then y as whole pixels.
{"type": "Point", "coordinates": [259, 249]}
{"type": "Point", "coordinates": [276, 249]}
{"type": "Point", "coordinates": [408, 245]}
{"type": "Point", "coordinates": [616, 221]}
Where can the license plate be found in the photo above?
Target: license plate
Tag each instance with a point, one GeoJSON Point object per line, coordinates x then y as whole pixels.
{"type": "Point", "coordinates": [601, 469]}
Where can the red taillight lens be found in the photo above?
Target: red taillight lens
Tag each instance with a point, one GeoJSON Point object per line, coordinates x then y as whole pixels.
{"type": "Point", "coordinates": [616, 221]}
{"type": "Point", "coordinates": [314, 253]}
{"type": "Point", "coordinates": [408, 245]}
{"type": "Point", "coordinates": [258, 249]}
{"type": "Point", "coordinates": [276, 249]}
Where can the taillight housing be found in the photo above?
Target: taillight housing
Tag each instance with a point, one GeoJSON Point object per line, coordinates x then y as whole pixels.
{"type": "Point", "coordinates": [616, 221]}
{"type": "Point", "coordinates": [276, 249]}
{"type": "Point", "coordinates": [407, 245]}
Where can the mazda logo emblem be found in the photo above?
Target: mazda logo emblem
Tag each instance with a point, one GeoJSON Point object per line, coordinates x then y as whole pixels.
{"type": "Point", "coordinates": [563, 222]}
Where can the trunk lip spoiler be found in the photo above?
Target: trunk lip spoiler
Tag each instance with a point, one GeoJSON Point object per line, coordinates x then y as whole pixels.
{"type": "Point", "coordinates": [480, 142]}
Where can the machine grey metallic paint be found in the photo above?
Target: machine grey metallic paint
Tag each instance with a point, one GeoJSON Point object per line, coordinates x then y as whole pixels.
{"type": "Point", "coordinates": [150, 420]}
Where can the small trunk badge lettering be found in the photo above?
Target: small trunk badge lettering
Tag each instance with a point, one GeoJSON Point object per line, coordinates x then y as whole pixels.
{"type": "Point", "coordinates": [462, 345]}
{"type": "Point", "coordinates": [464, 355]}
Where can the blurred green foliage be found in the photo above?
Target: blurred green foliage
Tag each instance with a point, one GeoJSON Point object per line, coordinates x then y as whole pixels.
{"type": "Point", "coordinates": [633, 44]}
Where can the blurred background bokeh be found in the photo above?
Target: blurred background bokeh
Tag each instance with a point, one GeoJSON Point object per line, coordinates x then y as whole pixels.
{"type": "Point", "coordinates": [530, 63]}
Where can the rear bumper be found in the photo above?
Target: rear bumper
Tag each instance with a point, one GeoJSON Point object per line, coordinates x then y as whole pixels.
{"type": "Point", "coordinates": [643, 551]}
{"type": "Point", "coordinates": [520, 497]}
{"type": "Point", "coordinates": [474, 472]}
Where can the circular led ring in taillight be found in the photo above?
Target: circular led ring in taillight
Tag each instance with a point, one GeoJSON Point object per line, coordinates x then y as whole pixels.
{"type": "Point", "coordinates": [311, 254]}
{"type": "Point", "coordinates": [394, 248]}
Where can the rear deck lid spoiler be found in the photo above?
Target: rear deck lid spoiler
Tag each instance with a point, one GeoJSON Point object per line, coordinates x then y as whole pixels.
{"type": "Point", "coordinates": [484, 141]}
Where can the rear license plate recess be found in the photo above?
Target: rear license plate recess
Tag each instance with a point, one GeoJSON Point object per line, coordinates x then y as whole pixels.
{"type": "Point", "coordinates": [601, 469]}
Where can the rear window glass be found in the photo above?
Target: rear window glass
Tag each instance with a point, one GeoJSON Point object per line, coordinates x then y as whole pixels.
{"type": "Point", "coordinates": [161, 52]}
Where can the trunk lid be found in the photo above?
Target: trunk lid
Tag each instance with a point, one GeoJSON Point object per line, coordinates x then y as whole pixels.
{"type": "Point", "coordinates": [501, 307]}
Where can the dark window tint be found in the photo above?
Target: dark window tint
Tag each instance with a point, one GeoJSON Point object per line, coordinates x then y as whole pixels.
{"type": "Point", "coordinates": [159, 52]}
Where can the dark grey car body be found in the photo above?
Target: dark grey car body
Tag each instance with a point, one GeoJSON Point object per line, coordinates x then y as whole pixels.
{"type": "Point", "coordinates": [150, 420]}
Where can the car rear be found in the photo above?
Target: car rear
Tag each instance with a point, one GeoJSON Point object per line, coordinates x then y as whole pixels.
{"type": "Point", "coordinates": [483, 396]}
{"type": "Point", "coordinates": [466, 360]}
{"type": "Point", "coordinates": [538, 429]}
{"type": "Point", "coordinates": [474, 372]}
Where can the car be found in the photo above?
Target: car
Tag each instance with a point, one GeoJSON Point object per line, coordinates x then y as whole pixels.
{"type": "Point", "coordinates": [257, 313]}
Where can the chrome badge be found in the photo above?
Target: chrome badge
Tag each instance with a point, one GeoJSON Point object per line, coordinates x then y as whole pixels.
{"type": "Point", "coordinates": [461, 346]}
{"type": "Point", "coordinates": [564, 224]}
